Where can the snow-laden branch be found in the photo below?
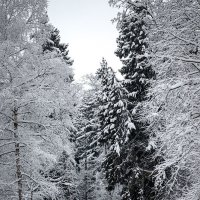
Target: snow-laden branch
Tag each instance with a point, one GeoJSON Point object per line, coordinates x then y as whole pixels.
{"type": "Point", "coordinates": [6, 116]}
{"type": "Point", "coordinates": [183, 39]}
{"type": "Point", "coordinates": [27, 103]}
{"type": "Point", "coordinates": [56, 180]}
{"type": "Point", "coordinates": [196, 67]}
{"type": "Point", "coordinates": [9, 164]}
{"type": "Point", "coordinates": [41, 136]}
{"type": "Point", "coordinates": [32, 79]}
{"type": "Point", "coordinates": [5, 139]}
{"type": "Point", "coordinates": [8, 143]}
{"type": "Point", "coordinates": [137, 5]}
{"type": "Point", "coordinates": [31, 122]}
{"type": "Point", "coordinates": [24, 174]}
{"type": "Point", "coordinates": [11, 183]}
{"type": "Point", "coordinates": [191, 60]}
{"type": "Point", "coordinates": [10, 130]}
{"type": "Point", "coordinates": [146, 170]}
{"type": "Point", "coordinates": [17, 52]}
{"type": "Point", "coordinates": [5, 153]}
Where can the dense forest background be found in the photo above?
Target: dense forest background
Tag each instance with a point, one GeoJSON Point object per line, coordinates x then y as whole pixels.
{"type": "Point", "coordinates": [135, 138]}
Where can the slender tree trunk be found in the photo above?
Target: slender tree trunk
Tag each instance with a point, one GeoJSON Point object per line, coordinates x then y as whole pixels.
{"type": "Point", "coordinates": [17, 152]}
{"type": "Point", "coordinates": [31, 195]}
{"type": "Point", "coordinates": [86, 179]}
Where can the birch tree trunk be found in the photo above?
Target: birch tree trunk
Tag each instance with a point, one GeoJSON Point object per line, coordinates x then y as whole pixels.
{"type": "Point", "coordinates": [17, 152]}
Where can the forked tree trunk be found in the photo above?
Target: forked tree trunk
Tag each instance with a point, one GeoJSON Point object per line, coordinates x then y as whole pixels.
{"type": "Point", "coordinates": [17, 152]}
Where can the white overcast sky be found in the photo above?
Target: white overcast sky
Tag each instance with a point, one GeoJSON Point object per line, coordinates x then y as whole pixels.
{"type": "Point", "coordinates": [86, 25]}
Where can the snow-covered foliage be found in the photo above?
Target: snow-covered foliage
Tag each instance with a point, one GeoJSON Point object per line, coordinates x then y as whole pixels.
{"type": "Point", "coordinates": [63, 174]}
{"type": "Point", "coordinates": [133, 53]}
{"type": "Point", "coordinates": [115, 119]}
{"type": "Point", "coordinates": [36, 102]}
{"type": "Point", "coordinates": [89, 155]}
{"type": "Point", "coordinates": [116, 123]}
{"type": "Point", "coordinates": [54, 44]}
{"type": "Point", "coordinates": [173, 109]}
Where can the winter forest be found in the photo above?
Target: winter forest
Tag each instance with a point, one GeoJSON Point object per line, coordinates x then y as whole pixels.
{"type": "Point", "coordinates": [130, 138]}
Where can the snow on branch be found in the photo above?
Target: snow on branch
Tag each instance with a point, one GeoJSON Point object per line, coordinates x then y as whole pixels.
{"type": "Point", "coordinates": [32, 79]}
{"type": "Point", "coordinates": [8, 143]}
{"type": "Point", "coordinates": [24, 174]}
{"type": "Point", "coordinates": [31, 122]}
{"type": "Point", "coordinates": [17, 52]}
{"type": "Point", "coordinates": [11, 183]}
{"type": "Point", "coordinates": [191, 60]}
{"type": "Point", "coordinates": [6, 116]}
{"type": "Point", "coordinates": [2, 163]}
{"type": "Point", "coordinates": [196, 67]}
{"type": "Point", "coordinates": [3, 139]}
{"type": "Point", "coordinates": [183, 39]}
{"type": "Point", "coordinates": [5, 153]}
{"type": "Point", "coordinates": [136, 4]}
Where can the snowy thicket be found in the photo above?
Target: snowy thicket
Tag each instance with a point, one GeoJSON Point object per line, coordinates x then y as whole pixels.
{"type": "Point", "coordinates": [90, 154]}
{"type": "Point", "coordinates": [173, 112]}
{"type": "Point", "coordinates": [36, 99]}
{"type": "Point", "coordinates": [115, 122]}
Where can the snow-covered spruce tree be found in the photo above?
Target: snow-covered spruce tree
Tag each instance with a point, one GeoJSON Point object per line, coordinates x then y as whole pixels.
{"type": "Point", "coordinates": [31, 88]}
{"type": "Point", "coordinates": [54, 44]}
{"type": "Point", "coordinates": [89, 153]}
{"type": "Point", "coordinates": [132, 51]}
{"type": "Point", "coordinates": [115, 123]}
{"type": "Point", "coordinates": [137, 161]}
{"type": "Point", "coordinates": [173, 111]}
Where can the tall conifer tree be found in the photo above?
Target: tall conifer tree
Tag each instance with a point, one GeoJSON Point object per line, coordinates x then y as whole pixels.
{"type": "Point", "coordinates": [116, 124]}
{"type": "Point", "coordinates": [136, 163]}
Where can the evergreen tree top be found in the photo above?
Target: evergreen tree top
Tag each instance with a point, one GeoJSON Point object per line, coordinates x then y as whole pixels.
{"type": "Point", "coordinates": [54, 44]}
{"type": "Point", "coordinates": [132, 50]}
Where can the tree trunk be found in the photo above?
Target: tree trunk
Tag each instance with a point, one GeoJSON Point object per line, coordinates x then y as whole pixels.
{"type": "Point", "coordinates": [86, 179]}
{"type": "Point", "coordinates": [17, 153]}
{"type": "Point", "coordinates": [31, 195]}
